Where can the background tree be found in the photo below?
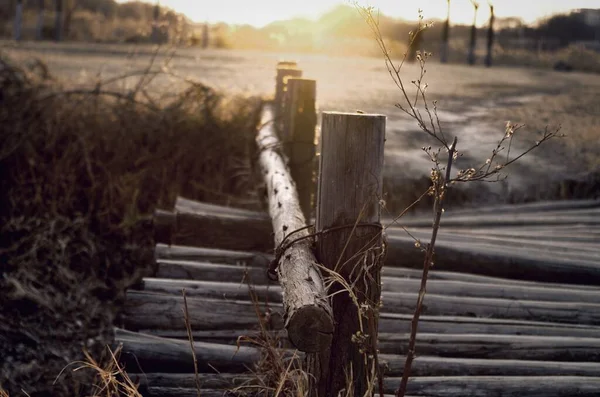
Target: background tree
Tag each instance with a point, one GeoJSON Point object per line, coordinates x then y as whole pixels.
{"type": "Point", "coordinates": [445, 37]}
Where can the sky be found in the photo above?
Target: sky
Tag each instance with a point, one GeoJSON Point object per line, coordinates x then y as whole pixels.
{"type": "Point", "coordinates": [261, 12]}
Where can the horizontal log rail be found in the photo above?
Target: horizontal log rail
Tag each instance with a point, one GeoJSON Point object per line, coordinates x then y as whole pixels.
{"type": "Point", "coordinates": [307, 313]}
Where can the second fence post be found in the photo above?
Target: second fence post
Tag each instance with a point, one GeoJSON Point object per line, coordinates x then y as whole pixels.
{"type": "Point", "coordinates": [350, 245]}
{"type": "Point", "coordinates": [298, 136]}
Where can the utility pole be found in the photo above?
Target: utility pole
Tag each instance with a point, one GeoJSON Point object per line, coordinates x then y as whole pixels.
{"type": "Point", "coordinates": [18, 20]}
{"type": "Point", "coordinates": [155, 35]}
{"type": "Point", "coordinates": [205, 36]}
{"type": "Point", "coordinates": [490, 38]}
{"type": "Point", "coordinates": [445, 37]}
{"type": "Point", "coordinates": [39, 27]}
{"type": "Point", "coordinates": [472, 44]}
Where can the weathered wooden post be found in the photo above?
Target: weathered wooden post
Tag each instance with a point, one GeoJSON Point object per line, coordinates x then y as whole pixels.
{"type": "Point", "coordinates": [350, 244]}
{"type": "Point", "coordinates": [58, 20]}
{"type": "Point", "coordinates": [307, 313]}
{"type": "Point", "coordinates": [445, 37]}
{"type": "Point", "coordinates": [298, 136]}
{"type": "Point", "coordinates": [490, 38]}
{"type": "Point", "coordinates": [473, 40]}
{"type": "Point", "coordinates": [39, 26]}
{"type": "Point", "coordinates": [18, 20]}
{"type": "Point", "coordinates": [285, 70]}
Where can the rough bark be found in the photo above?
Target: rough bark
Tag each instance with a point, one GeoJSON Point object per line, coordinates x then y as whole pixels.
{"type": "Point", "coordinates": [307, 312]}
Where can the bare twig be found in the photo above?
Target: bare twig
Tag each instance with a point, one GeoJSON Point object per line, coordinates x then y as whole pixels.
{"type": "Point", "coordinates": [188, 328]}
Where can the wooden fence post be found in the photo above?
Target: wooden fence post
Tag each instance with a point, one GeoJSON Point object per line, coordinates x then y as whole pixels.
{"type": "Point", "coordinates": [39, 26]}
{"type": "Point", "coordinates": [298, 137]}
{"type": "Point", "coordinates": [285, 70]}
{"type": "Point", "coordinates": [350, 243]}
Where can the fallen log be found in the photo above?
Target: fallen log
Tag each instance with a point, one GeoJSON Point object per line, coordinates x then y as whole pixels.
{"type": "Point", "coordinates": [146, 353]}
{"type": "Point", "coordinates": [143, 310]}
{"type": "Point", "coordinates": [497, 261]}
{"type": "Point", "coordinates": [402, 302]}
{"type": "Point", "coordinates": [209, 280]}
{"type": "Point", "coordinates": [307, 312]}
{"type": "Point", "coordinates": [204, 271]}
{"type": "Point", "coordinates": [211, 255]}
{"type": "Point", "coordinates": [204, 264]}
{"type": "Point", "coordinates": [499, 386]}
{"type": "Point", "coordinates": [431, 386]}
{"type": "Point", "coordinates": [539, 206]}
{"type": "Point", "coordinates": [175, 384]}
{"type": "Point", "coordinates": [393, 365]}
{"type": "Point", "coordinates": [515, 347]}
{"type": "Point", "coordinates": [467, 254]}
{"type": "Point", "coordinates": [154, 311]}
{"type": "Point", "coordinates": [213, 229]}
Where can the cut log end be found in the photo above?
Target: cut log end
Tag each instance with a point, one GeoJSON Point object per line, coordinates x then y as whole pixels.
{"type": "Point", "coordinates": [310, 329]}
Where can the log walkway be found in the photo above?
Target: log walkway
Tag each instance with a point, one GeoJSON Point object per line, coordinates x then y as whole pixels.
{"type": "Point", "coordinates": [512, 305]}
{"type": "Point", "coordinates": [533, 332]}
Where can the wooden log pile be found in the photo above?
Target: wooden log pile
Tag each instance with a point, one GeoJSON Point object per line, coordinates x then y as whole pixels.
{"type": "Point", "coordinates": [512, 306]}
{"type": "Point", "coordinates": [479, 333]}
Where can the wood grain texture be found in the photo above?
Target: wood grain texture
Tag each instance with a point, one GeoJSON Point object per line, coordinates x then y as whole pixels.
{"type": "Point", "coordinates": [349, 192]}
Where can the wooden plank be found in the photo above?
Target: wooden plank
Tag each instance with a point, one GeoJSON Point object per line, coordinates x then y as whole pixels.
{"type": "Point", "coordinates": [308, 317]}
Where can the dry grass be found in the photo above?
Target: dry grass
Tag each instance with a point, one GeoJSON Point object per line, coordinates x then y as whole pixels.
{"type": "Point", "coordinates": [83, 171]}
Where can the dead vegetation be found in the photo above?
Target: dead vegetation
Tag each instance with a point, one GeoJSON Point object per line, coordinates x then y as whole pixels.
{"type": "Point", "coordinates": [82, 171]}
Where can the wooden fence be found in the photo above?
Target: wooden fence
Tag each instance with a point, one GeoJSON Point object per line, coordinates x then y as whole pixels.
{"type": "Point", "coordinates": [513, 307]}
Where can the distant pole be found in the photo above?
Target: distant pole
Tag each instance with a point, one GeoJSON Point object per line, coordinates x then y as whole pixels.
{"type": "Point", "coordinates": [471, 56]}
{"type": "Point", "coordinates": [490, 38]}
{"type": "Point", "coordinates": [39, 27]}
{"type": "Point", "coordinates": [445, 37]}
{"type": "Point", "coordinates": [156, 15]}
{"type": "Point", "coordinates": [59, 19]}
{"type": "Point", "coordinates": [414, 46]}
{"type": "Point", "coordinates": [18, 20]}
{"type": "Point", "coordinates": [205, 36]}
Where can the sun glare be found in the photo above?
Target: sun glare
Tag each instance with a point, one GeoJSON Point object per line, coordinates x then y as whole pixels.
{"type": "Point", "coordinates": [262, 12]}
